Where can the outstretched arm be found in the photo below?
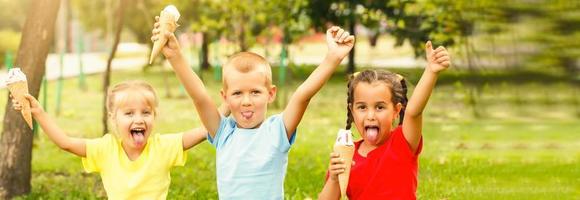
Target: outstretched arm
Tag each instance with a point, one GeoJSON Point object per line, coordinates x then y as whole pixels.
{"type": "Point", "coordinates": [339, 43]}
{"type": "Point", "coordinates": [205, 106]}
{"type": "Point", "coordinates": [437, 61]}
{"type": "Point", "coordinates": [73, 145]}
{"type": "Point", "coordinates": [198, 135]}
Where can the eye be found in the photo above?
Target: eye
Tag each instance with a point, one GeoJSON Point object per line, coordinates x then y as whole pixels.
{"type": "Point", "coordinates": [146, 112]}
{"type": "Point", "coordinates": [256, 92]}
{"type": "Point", "coordinates": [236, 93]}
{"type": "Point", "coordinates": [381, 107]}
{"type": "Point", "coordinates": [361, 107]}
{"type": "Point", "coordinates": [128, 113]}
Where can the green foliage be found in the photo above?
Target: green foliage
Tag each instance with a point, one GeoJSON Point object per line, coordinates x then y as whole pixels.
{"type": "Point", "coordinates": [10, 43]}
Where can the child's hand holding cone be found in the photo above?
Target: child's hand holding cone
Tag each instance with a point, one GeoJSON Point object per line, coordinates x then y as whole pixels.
{"type": "Point", "coordinates": [35, 107]}
{"type": "Point", "coordinates": [163, 29]}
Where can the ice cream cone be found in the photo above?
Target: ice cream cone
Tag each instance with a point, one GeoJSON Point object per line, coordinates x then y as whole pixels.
{"type": "Point", "coordinates": [18, 90]}
{"type": "Point", "coordinates": [346, 152]}
{"type": "Point", "coordinates": [167, 23]}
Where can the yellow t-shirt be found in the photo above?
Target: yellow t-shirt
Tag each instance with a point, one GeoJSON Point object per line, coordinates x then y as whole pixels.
{"type": "Point", "coordinates": [145, 178]}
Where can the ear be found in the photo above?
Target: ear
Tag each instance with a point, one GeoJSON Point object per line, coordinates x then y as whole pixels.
{"type": "Point", "coordinates": [398, 108]}
{"type": "Point", "coordinates": [272, 93]}
{"type": "Point", "coordinates": [223, 94]}
{"type": "Point", "coordinates": [110, 115]}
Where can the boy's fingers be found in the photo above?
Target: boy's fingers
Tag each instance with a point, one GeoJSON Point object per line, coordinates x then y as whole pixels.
{"type": "Point", "coordinates": [428, 48]}
{"type": "Point", "coordinates": [439, 49]}
{"type": "Point", "coordinates": [156, 25]}
{"type": "Point", "coordinates": [441, 54]}
{"type": "Point", "coordinates": [156, 18]}
{"type": "Point", "coordinates": [349, 39]}
{"type": "Point", "coordinates": [344, 36]}
{"type": "Point", "coordinates": [338, 34]}
{"type": "Point", "coordinates": [442, 59]}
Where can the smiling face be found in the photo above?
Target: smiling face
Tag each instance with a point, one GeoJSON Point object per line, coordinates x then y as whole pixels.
{"type": "Point", "coordinates": [247, 95]}
{"type": "Point", "coordinates": [134, 117]}
{"type": "Point", "coordinates": [373, 111]}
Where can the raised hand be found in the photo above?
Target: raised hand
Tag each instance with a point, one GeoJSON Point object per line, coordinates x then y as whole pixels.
{"type": "Point", "coordinates": [35, 107]}
{"type": "Point", "coordinates": [339, 41]}
{"type": "Point", "coordinates": [438, 59]}
{"type": "Point", "coordinates": [170, 49]}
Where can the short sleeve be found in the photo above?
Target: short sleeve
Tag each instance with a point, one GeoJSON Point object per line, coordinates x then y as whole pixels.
{"type": "Point", "coordinates": [173, 144]}
{"type": "Point", "coordinates": [94, 153]}
{"type": "Point", "coordinates": [225, 122]}
{"type": "Point", "coordinates": [401, 146]}
{"type": "Point", "coordinates": [278, 127]}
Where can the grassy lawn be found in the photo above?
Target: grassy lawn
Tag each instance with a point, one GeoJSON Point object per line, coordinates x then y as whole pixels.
{"type": "Point", "coordinates": [523, 145]}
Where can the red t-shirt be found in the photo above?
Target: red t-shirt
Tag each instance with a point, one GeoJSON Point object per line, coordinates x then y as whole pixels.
{"type": "Point", "coordinates": [388, 172]}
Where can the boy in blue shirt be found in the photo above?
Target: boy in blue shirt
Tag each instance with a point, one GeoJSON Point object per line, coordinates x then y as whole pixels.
{"type": "Point", "coordinates": [252, 150]}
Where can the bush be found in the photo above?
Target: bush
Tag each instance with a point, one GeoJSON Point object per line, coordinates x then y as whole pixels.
{"type": "Point", "coordinates": [10, 41]}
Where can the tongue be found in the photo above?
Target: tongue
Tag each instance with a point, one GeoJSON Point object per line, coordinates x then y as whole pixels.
{"type": "Point", "coordinates": [247, 115]}
{"type": "Point", "coordinates": [371, 134]}
{"type": "Point", "coordinates": [139, 139]}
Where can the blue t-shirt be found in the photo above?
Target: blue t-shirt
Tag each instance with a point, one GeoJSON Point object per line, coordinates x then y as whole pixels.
{"type": "Point", "coordinates": [251, 163]}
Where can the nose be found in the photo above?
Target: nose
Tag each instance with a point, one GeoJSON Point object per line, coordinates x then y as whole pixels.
{"type": "Point", "coordinates": [371, 115]}
{"type": "Point", "coordinates": [246, 100]}
{"type": "Point", "coordinates": [139, 119]}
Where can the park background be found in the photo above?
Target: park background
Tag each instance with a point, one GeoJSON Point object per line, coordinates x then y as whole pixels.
{"type": "Point", "coordinates": [502, 123]}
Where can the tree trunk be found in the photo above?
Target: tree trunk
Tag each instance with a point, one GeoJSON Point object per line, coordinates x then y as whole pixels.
{"type": "Point", "coordinates": [16, 139]}
{"type": "Point", "coordinates": [205, 51]}
{"type": "Point", "coordinates": [107, 77]}
{"type": "Point", "coordinates": [374, 38]}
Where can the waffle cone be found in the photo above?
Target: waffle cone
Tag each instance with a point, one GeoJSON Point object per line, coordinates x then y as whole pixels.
{"type": "Point", "coordinates": [346, 153]}
{"type": "Point", "coordinates": [18, 90]}
{"type": "Point", "coordinates": [166, 23]}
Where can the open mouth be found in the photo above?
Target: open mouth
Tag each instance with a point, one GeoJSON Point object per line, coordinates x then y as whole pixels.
{"type": "Point", "coordinates": [138, 135]}
{"type": "Point", "coordinates": [371, 133]}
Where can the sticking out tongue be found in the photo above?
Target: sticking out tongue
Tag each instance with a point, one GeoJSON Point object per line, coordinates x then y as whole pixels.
{"type": "Point", "coordinates": [139, 139]}
{"type": "Point", "coordinates": [247, 115]}
{"type": "Point", "coordinates": [371, 135]}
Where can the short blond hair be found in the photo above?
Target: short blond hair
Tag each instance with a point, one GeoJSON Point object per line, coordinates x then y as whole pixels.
{"type": "Point", "coordinates": [142, 88]}
{"type": "Point", "coordinates": [245, 62]}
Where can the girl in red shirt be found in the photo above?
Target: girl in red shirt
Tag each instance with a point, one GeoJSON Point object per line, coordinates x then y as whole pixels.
{"type": "Point", "coordinates": [385, 160]}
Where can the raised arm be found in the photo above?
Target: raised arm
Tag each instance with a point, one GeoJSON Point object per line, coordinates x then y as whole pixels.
{"type": "Point", "coordinates": [437, 61]}
{"type": "Point", "coordinates": [339, 44]}
{"type": "Point", "coordinates": [198, 135]}
{"type": "Point", "coordinates": [205, 106]}
{"type": "Point", "coordinates": [73, 145]}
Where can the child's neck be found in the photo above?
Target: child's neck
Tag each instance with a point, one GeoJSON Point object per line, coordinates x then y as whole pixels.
{"type": "Point", "coordinates": [365, 148]}
{"type": "Point", "coordinates": [132, 153]}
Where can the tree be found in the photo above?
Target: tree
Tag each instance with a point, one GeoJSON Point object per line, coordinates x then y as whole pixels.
{"type": "Point", "coordinates": [16, 139]}
{"type": "Point", "coordinates": [352, 12]}
{"type": "Point", "coordinates": [107, 77]}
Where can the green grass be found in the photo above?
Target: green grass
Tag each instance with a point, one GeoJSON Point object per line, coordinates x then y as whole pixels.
{"type": "Point", "coordinates": [524, 147]}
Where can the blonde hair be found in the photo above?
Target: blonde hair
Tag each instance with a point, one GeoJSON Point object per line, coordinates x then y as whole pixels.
{"type": "Point", "coordinates": [140, 87]}
{"type": "Point", "coordinates": [245, 62]}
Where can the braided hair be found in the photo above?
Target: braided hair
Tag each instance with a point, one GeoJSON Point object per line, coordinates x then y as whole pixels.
{"type": "Point", "coordinates": [395, 82]}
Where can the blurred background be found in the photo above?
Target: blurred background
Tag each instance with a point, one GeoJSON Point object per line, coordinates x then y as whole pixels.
{"type": "Point", "coordinates": [502, 123]}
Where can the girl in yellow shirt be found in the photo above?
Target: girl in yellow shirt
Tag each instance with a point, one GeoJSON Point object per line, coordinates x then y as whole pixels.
{"type": "Point", "coordinates": [133, 163]}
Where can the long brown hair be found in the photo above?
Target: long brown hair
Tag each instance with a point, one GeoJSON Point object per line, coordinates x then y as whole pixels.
{"type": "Point", "coordinates": [395, 82]}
